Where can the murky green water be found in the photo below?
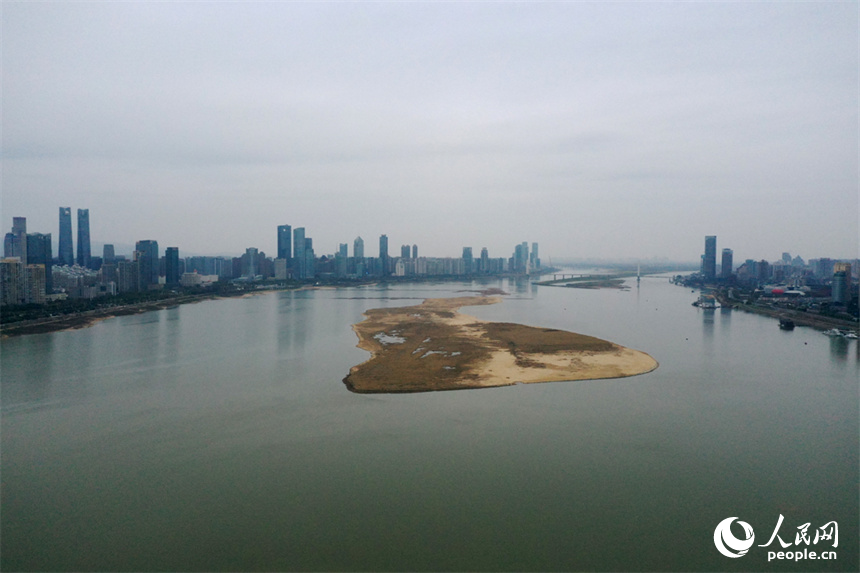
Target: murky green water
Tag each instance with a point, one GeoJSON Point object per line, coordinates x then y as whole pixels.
{"type": "Point", "coordinates": [219, 436]}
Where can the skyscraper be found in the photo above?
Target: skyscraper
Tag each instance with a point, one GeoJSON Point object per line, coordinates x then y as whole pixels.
{"type": "Point", "coordinates": [358, 248]}
{"type": "Point", "coordinates": [147, 258]}
{"type": "Point", "coordinates": [249, 263]}
{"type": "Point", "coordinates": [709, 267]}
{"type": "Point", "coordinates": [414, 251]}
{"type": "Point", "coordinates": [18, 243]}
{"type": "Point", "coordinates": [383, 254]}
{"type": "Point", "coordinates": [8, 245]}
{"type": "Point", "coordinates": [726, 263]}
{"type": "Point", "coordinates": [310, 259]}
{"type": "Point", "coordinates": [285, 245]}
{"type": "Point", "coordinates": [39, 253]}
{"type": "Point", "coordinates": [66, 253]}
{"type": "Point", "coordinates": [171, 265]}
{"type": "Point", "coordinates": [84, 238]}
{"type": "Point", "coordinates": [521, 258]}
{"type": "Point", "coordinates": [340, 260]}
{"type": "Point", "coordinates": [404, 251]}
{"type": "Point", "coordinates": [299, 252]}
{"type": "Point", "coordinates": [841, 285]}
{"type": "Point", "coordinates": [108, 268]}
{"type": "Point", "coordinates": [467, 260]}
{"type": "Point", "coordinates": [128, 275]}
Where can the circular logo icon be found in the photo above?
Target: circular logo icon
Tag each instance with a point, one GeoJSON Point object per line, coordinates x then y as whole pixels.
{"type": "Point", "coordinates": [728, 544]}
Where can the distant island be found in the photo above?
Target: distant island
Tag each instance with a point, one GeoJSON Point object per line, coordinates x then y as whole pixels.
{"type": "Point", "coordinates": [431, 347]}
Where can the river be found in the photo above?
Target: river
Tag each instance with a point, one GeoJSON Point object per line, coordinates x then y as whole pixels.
{"type": "Point", "coordinates": [219, 436]}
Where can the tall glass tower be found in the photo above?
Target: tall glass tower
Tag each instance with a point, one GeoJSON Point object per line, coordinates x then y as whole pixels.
{"type": "Point", "coordinates": [147, 259]}
{"type": "Point", "coordinates": [66, 252]}
{"type": "Point", "coordinates": [39, 253]}
{"type": "Point", "coordinates": [299, 252]}
{"type": "Point", "coordinates": [285, 239]}
{"type": "Point", "coordinates": [171, 265]}
{"type": "Point", "coordinates": [709, 268]}
{"type": "Point", "coordinates": [726, 265]}
{"type": "Point", "coordinates": [83, 237]}
{"type": "Point", "coordinates": [383, 253]}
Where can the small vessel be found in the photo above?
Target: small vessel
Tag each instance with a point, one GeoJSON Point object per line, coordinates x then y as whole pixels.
{"type": "Point", "coordinates": [833, 332]}
{"type": "Point", "coordinates": [786, 324]}
{"type": "Point", "coordinates": [706, 302]}
{"type": "Point", "coordinates": [851, 335]}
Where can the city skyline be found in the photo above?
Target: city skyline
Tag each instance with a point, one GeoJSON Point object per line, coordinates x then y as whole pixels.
{"type": "Point", "coordinates": [612, 131]}
{"type": "Point", "coordinates": [282, 241]}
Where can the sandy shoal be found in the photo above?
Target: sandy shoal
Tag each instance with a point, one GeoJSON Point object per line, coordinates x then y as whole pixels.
{"type": "Point", "coordinates": [443, 349]}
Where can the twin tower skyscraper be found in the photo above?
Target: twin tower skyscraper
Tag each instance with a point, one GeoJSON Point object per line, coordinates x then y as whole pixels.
{"type": "Point", "coordinates": [66, 252]}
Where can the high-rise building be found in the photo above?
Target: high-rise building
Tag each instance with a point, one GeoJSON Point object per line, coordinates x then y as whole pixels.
{"type": "Point", "coordinates": [66, 253]}
{"type": "Point", "coordinates": [285, 245]}
{"type": "Point", "coordinates": [127, 275]}
{"type": "Point", "coordinates": [467, 260]}
{"type": "Point", "coordinates": [521, 258]}
{"type": "Point", "coordinates": [310, 259]}
{"type": "Point", "coordinates": [39, 253]}
{"type": "Point", "coordinates": [709, 262]}
{"type": "Point", "coordinates": [534, 260]}
{"type": "Point", "coordinates": [171, 266]}
{"type": "Point", "coordinates": [726, 263]}
{"type": "Point", "coordinates": [281, 272]}
{"type": "Point", "coordinates": [358, 248]}
{"type": "Point", "coordinates": [764, 271]}
{"type": "Point", "coordinates": [383, 254]}
{"type": "Point", "coordinates": [147, 259]}
{"type": "Point", "coordinates": [414, 251]}
{"type": "Point", "coordinates": [34, 284]}
{"type": "Point", "coordinates": [841, 285]}
{"type": "Point", "coordinates": [12, 282]}
{"type": "Point", "coordinates": [299, 253]}
{"type": "Point", "coordinates": [108, 254]}
{"type": "Point", "coordinates": [824, 267]}
{"type": "Point", "coordinates": [83, 258]}
{"type": "Point", "coordinates": [485, 260]}
{"type": "Point", "coordinates": [15, 243]}
{"type": "Point", "coordinates": [249, 263]}
{"type": "Point", "coordinates": [340, 260]}
{"type": "Point", "coordinates": [404, 251]}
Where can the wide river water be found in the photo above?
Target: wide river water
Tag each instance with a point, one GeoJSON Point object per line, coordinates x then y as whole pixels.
{"type": "Point", "coordinates": [219, 436]}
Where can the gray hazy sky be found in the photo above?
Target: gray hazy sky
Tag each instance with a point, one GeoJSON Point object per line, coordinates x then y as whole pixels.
{"type": "Point", "coordinates": [608, 130]}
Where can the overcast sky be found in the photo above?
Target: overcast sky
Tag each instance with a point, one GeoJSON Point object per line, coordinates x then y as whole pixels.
{"type": "Point", "coordinates": [604, 130]}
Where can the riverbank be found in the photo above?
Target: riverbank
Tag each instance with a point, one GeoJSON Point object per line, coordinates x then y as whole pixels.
{"type": "Point", "coordinates": [800, 318]}
{"type": "Point", "coordinates": [86, 319]}
{"type": "Point", "coordinates": [74, 321]}
{"type": "Point", "coordinates": [432, 347]}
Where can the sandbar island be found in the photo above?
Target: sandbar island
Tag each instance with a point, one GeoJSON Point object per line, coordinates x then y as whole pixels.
{"type": "Point", "coordinates": [432, 347]}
